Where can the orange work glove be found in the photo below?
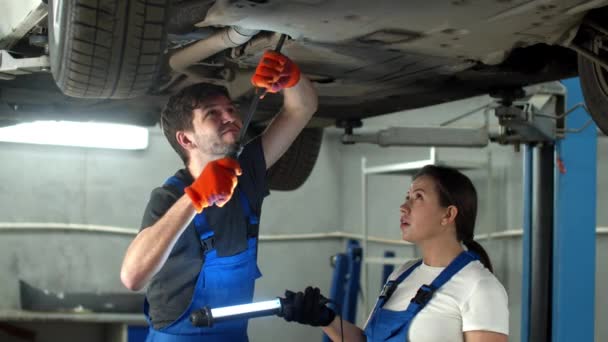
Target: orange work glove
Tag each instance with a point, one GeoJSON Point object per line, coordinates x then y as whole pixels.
{"type": "Point", "coordinates": [215, 185]}
{"type": "Point", "coordinates": [275, 72]}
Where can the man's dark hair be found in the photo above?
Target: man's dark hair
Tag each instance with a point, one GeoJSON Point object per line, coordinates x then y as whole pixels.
{"type": "Point", "coordinates": [178, 113]}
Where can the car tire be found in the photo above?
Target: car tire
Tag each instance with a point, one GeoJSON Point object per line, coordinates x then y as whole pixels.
{"type": "Point", "coordinates": [294, 167]}
{"type": "Point", "coordinates": [107, 49]}
{"type": "Point", "coordinates": [594, 81]}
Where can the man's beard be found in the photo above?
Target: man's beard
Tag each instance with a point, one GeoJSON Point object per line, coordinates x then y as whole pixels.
{"type": "Point", "coordinates": [230, 149]}
{"type": "Point", "coordinates": [216, 146]}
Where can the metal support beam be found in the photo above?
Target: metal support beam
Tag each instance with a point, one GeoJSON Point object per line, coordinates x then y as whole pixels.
{"type": "Point", "coordinates": [574, 235]}
{"type": "Point", "coordinates": [423, 136]}
{"type": "Point", "coordinates": [11, 67]}
{"type": "Point", "coordinates": [541, 242]}
{"type": "Point", "coordinates": [526, 243]}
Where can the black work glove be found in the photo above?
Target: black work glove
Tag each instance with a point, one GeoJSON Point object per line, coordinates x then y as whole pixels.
{"type": "Point", "coordinates": [307, 308]}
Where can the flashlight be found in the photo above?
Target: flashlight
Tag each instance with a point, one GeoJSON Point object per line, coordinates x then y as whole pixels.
{"type": "Point", "coordinates": [206, 316]}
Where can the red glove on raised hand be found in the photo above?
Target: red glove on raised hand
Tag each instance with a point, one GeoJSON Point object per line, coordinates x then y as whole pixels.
{"type": "Point", "coordinates": [275, 72]}
{"type": "Point", "coordinates": [215, 185]}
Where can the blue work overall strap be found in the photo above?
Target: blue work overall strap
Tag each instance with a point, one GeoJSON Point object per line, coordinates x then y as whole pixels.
{"type": "Point", "coordinates": [391, 285]}
{"type": "Point", "coordinates": [388, 325]}
{"type": "Point", "coordinates": [387, 291]}
{"type": "Point", "coordinates": [200, 220]}
{"type": "Point", "coordinates": [425, 292]}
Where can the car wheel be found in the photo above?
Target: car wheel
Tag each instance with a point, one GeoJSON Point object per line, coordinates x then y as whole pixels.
{"type": "Point", "coordinates": [294, 167]}
{"type": "Point", "coordinates": [106, 48]}
{"type": "Point", "coordinates": [594, 83]}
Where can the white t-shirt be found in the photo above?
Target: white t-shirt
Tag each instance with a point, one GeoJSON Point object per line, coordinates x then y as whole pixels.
{"type": "Point", "coordinates": [473, 299]}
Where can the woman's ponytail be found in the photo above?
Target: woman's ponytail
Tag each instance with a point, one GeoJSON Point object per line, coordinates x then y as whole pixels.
{"type": "Point", "coordinates": [476, 248]}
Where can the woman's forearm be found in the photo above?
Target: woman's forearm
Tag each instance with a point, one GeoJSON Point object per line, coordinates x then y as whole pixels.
{"type": "Point", "coordinates": [350, 331]}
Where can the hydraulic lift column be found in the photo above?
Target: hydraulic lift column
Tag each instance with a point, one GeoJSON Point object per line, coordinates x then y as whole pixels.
{"type": "Point", "coordinates": [538, 240]}
{"type": "Point", "coordinates": [558, 290]}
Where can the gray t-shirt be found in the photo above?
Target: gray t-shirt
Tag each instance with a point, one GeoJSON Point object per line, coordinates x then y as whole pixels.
{"type": "Point", "coordinates": [170, 290]}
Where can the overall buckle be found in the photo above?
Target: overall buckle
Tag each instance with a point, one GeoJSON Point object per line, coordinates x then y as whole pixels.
{"type": "Point", "coordinates": [208, 244]}
{"type": "Point", "coordinates": [424, 294]}
{"type": "Point", "coordinates": [388, 289]}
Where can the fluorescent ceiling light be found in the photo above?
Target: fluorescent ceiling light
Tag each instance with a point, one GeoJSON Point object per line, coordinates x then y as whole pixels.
{"type": "Point", "coordinates": [83, 134]}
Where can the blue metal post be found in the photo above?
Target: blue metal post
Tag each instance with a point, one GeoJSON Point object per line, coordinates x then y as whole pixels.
{"type": "Point", "coordinates": [575, 227]}
{"type": "Point", "coordinates": [355, 255]}
{"type": "Point", "coordinates": [526, 243]}
{"type": "Point", "coordinates": [387, 269]}
{"type": "Point", "coordinates": [338, 283]}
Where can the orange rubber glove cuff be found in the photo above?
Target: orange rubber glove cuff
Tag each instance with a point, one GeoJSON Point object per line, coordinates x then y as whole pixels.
{"type": "Point", "coordinates": [197, 202]}
{"type": "Point", "coordinates": [215, 185]}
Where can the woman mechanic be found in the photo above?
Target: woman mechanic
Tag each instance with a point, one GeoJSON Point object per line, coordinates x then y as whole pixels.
{"type": "Point", "coordinates": [448, 295]}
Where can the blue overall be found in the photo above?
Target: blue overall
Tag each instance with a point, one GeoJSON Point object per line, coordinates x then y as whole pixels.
{"type": "Point", "coordinates": [387, 325]}
{"type": "Point", "coordinates": [222, 281]}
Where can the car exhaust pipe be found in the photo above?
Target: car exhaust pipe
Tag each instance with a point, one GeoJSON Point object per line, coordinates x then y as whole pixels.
{"type": "Point", "coordinates": [226, 38]}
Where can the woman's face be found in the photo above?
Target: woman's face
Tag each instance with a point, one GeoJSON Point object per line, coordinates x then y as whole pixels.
{"type": "Point", "coordinates": [421, 214]}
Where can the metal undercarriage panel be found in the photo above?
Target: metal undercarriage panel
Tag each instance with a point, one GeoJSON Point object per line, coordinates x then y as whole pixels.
{"type": "Point", "coordinates": [482, 30]}
{"type": "Point", "coordinates": [370, 58]}
{"type": "Point", "coordinates": [366, 58]}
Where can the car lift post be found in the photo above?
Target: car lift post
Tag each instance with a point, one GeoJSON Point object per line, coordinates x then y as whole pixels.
{"type": "Point", "coordinates": [575, 228]}
{"type": "Point", "coordinates": [558, 292]}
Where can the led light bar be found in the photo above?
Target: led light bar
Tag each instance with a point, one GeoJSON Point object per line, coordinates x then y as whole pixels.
{"type": "Point", "coordinates": [206, 317]}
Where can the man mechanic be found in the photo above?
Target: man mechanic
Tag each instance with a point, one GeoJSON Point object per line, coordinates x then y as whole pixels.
{"type": "Point", "coordinates": [198, 240]}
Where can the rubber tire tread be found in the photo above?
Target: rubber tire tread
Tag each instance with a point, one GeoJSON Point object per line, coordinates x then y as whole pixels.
{"type": "Point", "coordinates": [596, 98]}
{"type": "Point", "coordinates": [112, 49]}
{"type": "Point", "coordinates": [296, 165]}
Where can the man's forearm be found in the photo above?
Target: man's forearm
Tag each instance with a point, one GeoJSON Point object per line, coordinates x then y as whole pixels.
{"type": "Point", "coordinates": [150, 249]}
{"type": "Point", "coordinates": [299, 105]}
{"type": "Point", "coordinates": [301, 100]}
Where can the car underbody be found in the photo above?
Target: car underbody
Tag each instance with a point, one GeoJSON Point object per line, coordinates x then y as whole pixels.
{"type": "Point", "coordinates": [367, 58]}
{"type": "Point", "coordinates": [119, 61]}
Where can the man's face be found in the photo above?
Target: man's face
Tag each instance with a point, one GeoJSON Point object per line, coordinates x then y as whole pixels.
{"type": "Point", "coordinates": [216, 126]}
